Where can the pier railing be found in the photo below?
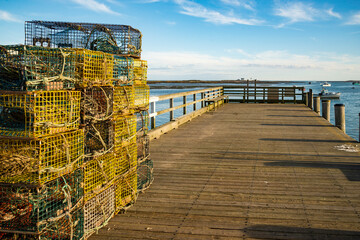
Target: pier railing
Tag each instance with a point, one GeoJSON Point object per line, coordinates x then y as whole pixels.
{"type": "Point", "coordinates": [186, 99]}
{"type": "Point", "coordinates": [254, 94]}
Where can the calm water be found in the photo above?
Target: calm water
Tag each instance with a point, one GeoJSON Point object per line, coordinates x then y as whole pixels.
{"type": "Point", "coordinates": [350, 96]}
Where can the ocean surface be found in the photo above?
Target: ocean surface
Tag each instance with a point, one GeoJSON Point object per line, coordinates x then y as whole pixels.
{"type": "Point", "coordinates": [350, 96]}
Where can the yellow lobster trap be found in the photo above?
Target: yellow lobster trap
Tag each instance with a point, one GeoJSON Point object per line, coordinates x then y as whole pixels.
{"type": "Point", "coordinates": [124, 130]}
{"type": "Point", "coordinates": [31, 68]}
{"type": "Point", "coordinates": [126, 190]}
{"type": "Point", "coordinates": [142, 93]}
{"type": "Point", "coordinates": [124, 100]}
{"type": "Point", "coordinates": [126, 158]}
{"type": "Point", "coordinates": [41, 161]}
{"type": "Point", "coordinates": [98, 172]}
{"type": "Point", "coordinates": [38, 114]}
{"type": "Point", "coordinates": [93, 68]}
{"type": "Point", "coordinates": [140, 71]}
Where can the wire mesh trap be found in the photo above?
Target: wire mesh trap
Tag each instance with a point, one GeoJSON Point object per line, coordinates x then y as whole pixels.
{"type": "Point", "coordinates": [140, 71]}
{"type": "Point", "coordinates": [145, 174]}
{"type": "Point", "coordinates": [28, 208]}
{"type": "Point", "coordinates": [98, 210]}
{"type": "Point", "coordinates": [124, 100]}
{"type": "Point", "coordinates": [69, 227]}
{"type": "Point", "coordinates": [142, 122]}
{"type": "Point", "coordinates": [126, 190]}
{"type": "Point", "coordinates": [126, 158]}
{"type": "Point", "coordinates": [123, 72]}
{"type": "Point", "coordinates": [40, 161]}
{"type": "Point", "coordinates": [141, 100]}
{"type": "Point", "coordinates": [124, 130]}
{"type": "Point", "coordinates": [99, 137]}
{"type": "Point", "coordinates": [93, 68]}
{"type": "Point", "coordinates": [39, 114]}
{"type": "Point", "coordinates": [30, 68]}
{"type": "Point", "coordinates": [143, 146]}
{"type": "Point", "coordinates": [98, 173]}
{"type": "Point", "coordinates": [97, 103]}
{"type": "Point", "coordinates": [115, 39]}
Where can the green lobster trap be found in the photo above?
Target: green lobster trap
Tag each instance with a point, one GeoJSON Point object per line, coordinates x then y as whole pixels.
{"type": "Point", "coordinates": [140, 71]}
{"type": "Point", "coordinates": [98, 173]}
{"type": "Point", "coordinates": [99, 210]}
{"type": "Point", "coordinates": [124, 100]}
{"type": "Point", "coordinates": [115, 39]}
{"type": "Point", "coordinates": [38, 114]}
{"type": "Point", "coordinates": [97, 103]}
{"type": "Point", "coordinates": [123, 72]}
{"type": "Point", "coordinates": [31, 68]}
{"type": "Point", "coordinates": [29, 208]}
{"type": "Point", "coordinates": [66, 227]}
{"type": "Point", "coordinates": [41, 161]}
{"type": "Point", "coordinates": [145, 174]}
{"type": "Point", "coordinates": [141, 100]}
{"type": "Point", "coordinates": [126, 190]}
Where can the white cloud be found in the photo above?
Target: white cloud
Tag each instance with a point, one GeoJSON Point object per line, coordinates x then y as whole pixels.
{"type": "Point", "coordinates": [240, 3]}
{"type": "Point", "coordinates": [171, 23]}
{"type": "Point", "coordinates": [354, 19]}
{"type": "Point", "coordinates": [297, 12]}
{"type": "Point", "coordinates": [330, 12]}
{"type": "Point", "coordinates": [267, 65]}
{"type": "Point", "coordinates": [8, 17]}
{"type": "Point", "coordinates": [94, 6]}
{"type": "Point", "coordinates": [197, 10]}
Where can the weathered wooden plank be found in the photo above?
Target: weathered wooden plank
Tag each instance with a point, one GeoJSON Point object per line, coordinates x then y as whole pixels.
{"type": "Point", "coordinates": [248, 171]}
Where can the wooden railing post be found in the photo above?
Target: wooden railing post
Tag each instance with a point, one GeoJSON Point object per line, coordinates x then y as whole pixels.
{"type": "Point", "coordinates": [171, 112]}
{"type": "Point", "coordinates": [152, 110]}
{"type": "Point", "coordinates": [325, 109]}
{"type": "Point", "coordinates": [184, 102]}
{"type": "Point", "coordinates": [317, 104]}
{"type": "Point", "coordinates": [194, 98]}
{"type": "Point", "coordinates": [202, 97]}
{"type": "Point", "coordinates": [310, 99]}
{"type": "Point", "coordinates": [340, 116]}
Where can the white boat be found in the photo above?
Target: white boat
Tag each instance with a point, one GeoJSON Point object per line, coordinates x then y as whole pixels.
{"type": "Point", "coordinates": [325, 84]}
{"type": "Point", "coordinates": [326, 94]}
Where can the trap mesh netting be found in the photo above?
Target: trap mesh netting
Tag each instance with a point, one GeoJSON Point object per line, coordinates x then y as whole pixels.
{"type": "Point", "coordinates": [31, 208]}
{"type": "Point", "coordinates": [116, 39]}
{"type": "Point", "coordinates": [28, 68]}
{"type": "Point", "coordinates": [145, 175]}
{"type": "Point", "coordinates": [97, 103]}
{"type": "Point", "coordinates": [38, 114]}
{"type": "Point", "coordinates": [40, 161]}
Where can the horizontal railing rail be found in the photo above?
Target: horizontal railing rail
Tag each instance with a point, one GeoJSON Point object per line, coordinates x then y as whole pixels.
{"type": "Point", "coordinates": [249, 94]}
{"type": "Point", "coordinates": [205, 95]}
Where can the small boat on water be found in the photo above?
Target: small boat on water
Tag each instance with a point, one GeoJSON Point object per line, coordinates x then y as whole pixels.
{"type": "Point", "coordinates": [325, 84]}
{"type": "Point", "coordinates": [329, 95]}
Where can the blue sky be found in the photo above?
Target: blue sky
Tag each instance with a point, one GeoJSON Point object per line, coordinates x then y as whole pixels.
{"type": "Point", "coordinates": [218, 39]}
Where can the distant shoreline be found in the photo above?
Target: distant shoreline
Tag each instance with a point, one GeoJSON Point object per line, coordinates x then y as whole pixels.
{"type": "Point", "coordinates": [236, 81]}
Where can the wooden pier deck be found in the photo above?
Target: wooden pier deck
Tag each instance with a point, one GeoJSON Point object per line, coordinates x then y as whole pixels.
{"type": "Point", "coordinates": [248, 171]}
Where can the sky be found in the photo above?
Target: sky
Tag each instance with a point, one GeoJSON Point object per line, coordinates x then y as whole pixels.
{"type": "Point", "coordinates": [218, 39]}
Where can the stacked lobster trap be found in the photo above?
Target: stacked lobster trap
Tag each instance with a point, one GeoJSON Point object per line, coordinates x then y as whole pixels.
{"type": "Point", "coordinates": [73, 129]}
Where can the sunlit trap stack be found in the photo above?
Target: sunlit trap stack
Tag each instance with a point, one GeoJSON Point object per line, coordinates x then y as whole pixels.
{"type": "Point", "coordinates": [42, 147]}
{"type": "Point", "coordinates": [73, 122]}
